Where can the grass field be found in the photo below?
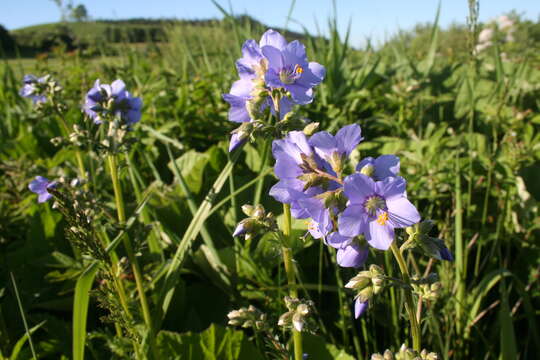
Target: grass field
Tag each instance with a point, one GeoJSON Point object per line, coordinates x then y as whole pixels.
{"type": "Point", "coordinates": [464, 123]}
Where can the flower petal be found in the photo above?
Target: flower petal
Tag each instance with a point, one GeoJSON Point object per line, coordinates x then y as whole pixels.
{"type": "Point", "coordinates": [352, 221]}
{"type": "Point", "coordinates": [357, 187]}
{"type": "Point", "coordinates": [337, 241]}
{"type": "Point", "coordinates": [273, 38]}
{"type": "Point", "coordinates": [359, 308]}
{"type": "Point", "coordinates": [348, 137]}
{"type": "Point", "coordinates": [386, 166]}
{"type": "Point", "coordinates": [352, 256]}
{"type": "Point", "coordinates": [380, 236]}
{"type": "Point", "coordinates": [300, 94]}
{"type": "Point", "coordinates": [274, 57]}
{"type": "Point", "coordinates": [392, 187]}
{"type": "Point", "coordinates": [324, 144]}
{"type": "Point", "coordinates": [235, 142]}
{"type": "Point", "coordinates": [402, 212]}
{"type": "Point", "coordinates": [295, 54]}
{"type": "Point", "coordinates": [118, 87]}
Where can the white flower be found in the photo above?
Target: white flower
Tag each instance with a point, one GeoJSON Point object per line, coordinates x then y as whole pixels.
{"type": "Point", "coordinates": [485, 35]}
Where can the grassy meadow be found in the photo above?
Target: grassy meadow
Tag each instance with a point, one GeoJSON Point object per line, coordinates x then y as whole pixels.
{"type": "Point", "coordinates": [465, 124]}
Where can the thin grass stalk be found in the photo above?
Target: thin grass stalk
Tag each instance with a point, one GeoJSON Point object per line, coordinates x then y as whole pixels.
{"type": "Point", "coordinates": [343, 316]}
{"type": "Point", "coordinates": [291, 276]}
{"type": "Point", "coordinates": [460, 263]}
{"type": "Point", "coordinates": [393, 300]}
{"type": "Point", "coordinates": [409, 302]}
{"type": "Point", "coordinates": [21, 309]}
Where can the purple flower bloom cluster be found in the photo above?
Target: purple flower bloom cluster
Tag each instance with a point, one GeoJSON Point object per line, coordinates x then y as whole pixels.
{"type": "Point", "coordinates": [39, 186]}
{"type": "Point", "coordinates": [347, 212]}
{"type": "Point", "coordinates": [271, 64]}
{"type": "Point", "coordinates": [114, 99]}
{"type": "Point", "coordinates": [31, 88]}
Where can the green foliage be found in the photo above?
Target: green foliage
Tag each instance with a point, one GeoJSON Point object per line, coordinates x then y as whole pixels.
{"type": "Point", "coordinates": [214, 343]}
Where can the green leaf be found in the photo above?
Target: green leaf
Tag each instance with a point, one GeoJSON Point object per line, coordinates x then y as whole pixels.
{"type": "Point", "coordinates": [215, 343]}
{"type": "Point", "coordinates": [80, 310]}
{"type": "Point", "coordinates": [191, 165]}
{"type": "Point", "coordinates": [20, 343]}
{"type": "Point", "coordinates": [318, 349]}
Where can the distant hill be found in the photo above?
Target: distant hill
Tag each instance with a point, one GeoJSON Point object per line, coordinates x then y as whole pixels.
{"type": "Point", "coordinates": [39, 38]}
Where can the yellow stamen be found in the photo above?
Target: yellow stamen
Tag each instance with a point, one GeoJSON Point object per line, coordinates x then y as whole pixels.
{"type": "Point", "coordinates": [298, 69]}
{"type": "Point", "coordinates": [383, 218]}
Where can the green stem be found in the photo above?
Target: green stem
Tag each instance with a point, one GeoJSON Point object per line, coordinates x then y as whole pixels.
{"type": "Point", "coordinates": [260, 183]}
{"type": "Point", "coordinates": [291, 277]}
{"type": "Point", "coordinates": [127, 244]}
{"type": "Point", "coordinates": [409, 302]}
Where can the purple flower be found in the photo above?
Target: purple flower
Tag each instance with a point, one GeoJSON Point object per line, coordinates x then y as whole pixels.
{"type": "Point", "coordinates": [343, 143]}
{"type": "Point", "coordinates": [240, 230]}
{"type": "Point", "coordinates": [238, 96]}
{"type": "Point", "coordinates": [359, 307]}
{"type": "Point", "coordinates": [380, 168]}
{"type": "Point", "coordinates": [350, 253]}
{"type": "Point", "coordinates": [31, 89]}
{"type": "Point", "coordinates": [291, 155]}
{"type": "Point", "coordinates": [252, 64]}
{"type": "Point", "coordinates": [39, 186]}
{"type": "Point", "coordinates": [288, 67]}
{"type": "Point", "coordinates": [375, 209]}
{"type": "Point", "coordinates": [104, 99]}
{"type": "Point", "coordinates": [320, 224]}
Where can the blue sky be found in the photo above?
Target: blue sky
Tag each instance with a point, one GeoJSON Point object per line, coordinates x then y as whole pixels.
{"type": "Point", "coordinates": [370, 19]}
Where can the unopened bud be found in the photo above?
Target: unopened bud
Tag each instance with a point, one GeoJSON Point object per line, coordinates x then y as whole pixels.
{"type": "Point", "coordinates": [311, 128]}
{"type": "Point", "coordinates": [248, 209]}
{"type": "Point", "coordinates": [368, 170]}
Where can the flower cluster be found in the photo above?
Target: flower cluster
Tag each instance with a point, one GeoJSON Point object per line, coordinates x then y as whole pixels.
{"type": "Point", "coordinates": [297, 314]}
{"type": "Point", "coordinates": [38, 89]}
{"type": "Point", "coordinates": [405, 353]}
{"type": "Point", "coordinates": [258, 220]}
{"type": "Point", "coordinates": [275, 75]}
{"type": "Point", "coordinates": [366, 284]}
{"type": "Point", "coordinates": [500, 30]}
{"type": "Point", "coordinates": [346, 211]}
{"type": "Point", "coordinates": [248, 317]}
{"type": "Point", "coordinates": [349, 210]}
{"type": "Point", "coordinates": [104, 100]}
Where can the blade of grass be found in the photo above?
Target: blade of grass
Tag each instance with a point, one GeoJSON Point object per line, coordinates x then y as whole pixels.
{"type": "Point", "coordinates": [20, 343]}
{"type": "Point", "coordinates": [167, 291]}
{"type": "Point", "coordinates": [21, 309]}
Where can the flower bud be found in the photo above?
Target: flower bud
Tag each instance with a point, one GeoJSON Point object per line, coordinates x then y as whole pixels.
{"type": "Point", "coordinates": [368, 170]}
{"type": "Point", "coordinates": [259, 212]}
{"type": "Point", "coordinates": [311, 128]}
{"type": "Point", "coordinates": [248, 209]}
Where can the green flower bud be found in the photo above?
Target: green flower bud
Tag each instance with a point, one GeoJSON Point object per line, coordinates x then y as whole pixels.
{"type": "Point", "coordinates": [311, 128]}
{"type": "Point", "coordinates": [368, 170]}
{"type": "Point", "coordinates": [248, 209]}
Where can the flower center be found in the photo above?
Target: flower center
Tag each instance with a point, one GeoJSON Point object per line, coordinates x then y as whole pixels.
{"type": "Point", "coordinates": [383, 218]}
{"type": "Point", "coordinates": [288, 75]}
{"type": "Point", "coordinates": [374, 203]}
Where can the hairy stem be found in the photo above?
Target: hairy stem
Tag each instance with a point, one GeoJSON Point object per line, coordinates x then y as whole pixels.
{"type": "Point", "coordinates": [112, 161]}
{"type": "Point", "coordinates": [409, 302]}
{"type": "Point", "coordinates": [291, 277]}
